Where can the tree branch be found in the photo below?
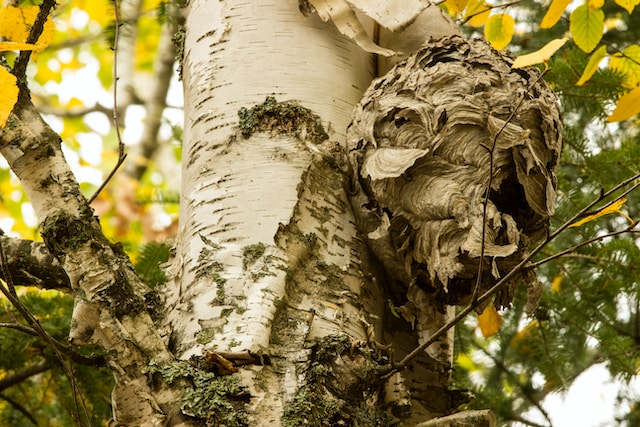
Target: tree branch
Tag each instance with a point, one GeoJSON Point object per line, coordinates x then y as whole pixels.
{"type": "Point", "coordinates": [24, 373]}
{"type": "Point", "coordinates": [20, 409]}
{"type": "Point", "coordinates": [20, 66]}
{"type": "Point", "coordinates": [93, 360]}
{"type": "Point", "coordinates": [157, 101]}
{"type": "Point", "coordinates": [31, 264]}
{"type": "Point", "coordinates": [110, 308]}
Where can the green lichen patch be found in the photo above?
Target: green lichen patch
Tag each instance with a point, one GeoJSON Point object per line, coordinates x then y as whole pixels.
{"type": "Point", "coordinates": [217, 399]}
{"type": "Point", "coordinates": [178, 40]}
{"type": "Point", "coordinates": [205, 336]}
{"type": "Point", "coordinates": [251, 253]}
{"type": "Point", "coordinates": [63, 233]}
{"type": "Point", "coordinates": [288, 118]}
{"type": "Point", "coordinates": [343, 386]}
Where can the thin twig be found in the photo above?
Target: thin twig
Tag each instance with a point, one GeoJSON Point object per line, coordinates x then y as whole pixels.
{"type": "Point", "coordinates": [525, 392]}
{"type": "Point", "coordinates": [489, 9]}
{"type": "Point", "coordinates": [17, 406]}
{"type": "Point", "coordinates": [42, 333]}
{"type": "Point", "coordinates": [93, 360]}
{"type": "Point", "coordinates": [20, 66]}
{"type": "Point", "coordinates": [121, 154]}
{"type": "Point", "coordinates": [629, 229]}
{"type": "Point", "coordinates": [10, 294]}
{"type": "Point", "coordinates": [19, 327]}
{"type": "Point", "coordinates": [21, 374]}
{"type": "Point", "coordinates": [476, 288]}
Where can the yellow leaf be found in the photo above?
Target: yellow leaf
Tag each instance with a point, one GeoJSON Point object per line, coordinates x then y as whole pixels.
{"type": "Point", "coordinates": [556, 285]}
{"type": "Point", "coordinates": [628, 5]}
{"type": "Point", "coordinates": [595, 4]}
{"type": "Point", "coordinates": [489, 321]}
{"type": "Point", "coordinates": [99, 11]}
{"type": "Point", "coordinates": [9, 90]}
{"type": "Point", "coordinates": [477, 13]}
{"type": "Point", "coordinates": [455, 6]}
{"type": "Point", "coordinates": [499, 30]}
{"type": "Point", "coordinates": [628, 106]}
{"type": "Point", "coordinates": [466, 362]}
{"type": "Point", "coordinates": [592, 65]}
{"type": "Point", "coordinates": [611, 208]}
{"type": "Point", "coordinates": [520, 340]}
{"type": "Point", "coordinates": [16, 22]}
{"type": "Point", "coordinates": [74, 102]}
{"type": "Point", "coordinates": [628, 63]}
{"type": "Point", "coordinates": [555, 11]}
{"type": "Point", "coordinates": [541, 55]}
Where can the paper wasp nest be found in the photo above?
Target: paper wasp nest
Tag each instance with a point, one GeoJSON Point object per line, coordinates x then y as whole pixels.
{"type": "Point", "coordinates": [423, 144]}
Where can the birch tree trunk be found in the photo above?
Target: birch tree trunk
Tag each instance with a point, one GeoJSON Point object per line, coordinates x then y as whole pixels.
{"type": "Point", "coordinates": [271, 281]}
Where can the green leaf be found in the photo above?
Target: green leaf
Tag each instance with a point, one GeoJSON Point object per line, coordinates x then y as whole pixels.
{"type": "Point", "coordinates": [499, 30]}
{"type": "Point", "coordinates": [586, 26]}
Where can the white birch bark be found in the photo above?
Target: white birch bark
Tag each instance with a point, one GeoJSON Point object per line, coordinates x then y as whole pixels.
{"type": "Point", "coordinates": [260, 190]}
{"type": "Point", "coordinates": [236, 54]}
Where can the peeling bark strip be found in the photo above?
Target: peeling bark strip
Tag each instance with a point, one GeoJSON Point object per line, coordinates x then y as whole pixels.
{"type": "Point", "coordinates": [427, 141]}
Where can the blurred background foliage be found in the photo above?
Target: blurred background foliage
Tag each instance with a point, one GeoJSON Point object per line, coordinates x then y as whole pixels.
{"type": "Point", "coordinates": [589, 313]}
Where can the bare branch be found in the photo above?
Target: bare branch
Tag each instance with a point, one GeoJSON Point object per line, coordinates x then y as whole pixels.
{"type": "Point", "coordinates": [24, 373]}
{"type": "Point", "coordinates": [569, 251]}
{"type": "Point", "coordinates": [20, 409]}
{"type": "Point", "coordinates": [121, 154]}
{"type": "Point", "coordinates": [20, 66]}
{"type": "Point", "coordinates": [156, 102]}
{"type": "Point", "coordinates": [93, 360]}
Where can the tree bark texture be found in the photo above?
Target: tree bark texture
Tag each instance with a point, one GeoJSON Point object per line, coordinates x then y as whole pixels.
{"type": "Point", "coordinates": [300, 240]}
